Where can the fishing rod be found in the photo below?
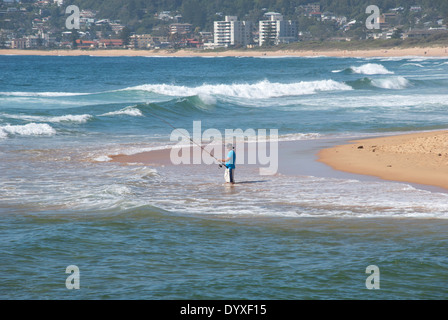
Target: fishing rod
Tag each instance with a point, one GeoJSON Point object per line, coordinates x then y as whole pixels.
{"type": "Point", "coordinates": [220, 164]}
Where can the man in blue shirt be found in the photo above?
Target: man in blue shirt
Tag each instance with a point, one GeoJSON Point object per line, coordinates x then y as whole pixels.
{"type": "Point", "coordinates": [230, 164]}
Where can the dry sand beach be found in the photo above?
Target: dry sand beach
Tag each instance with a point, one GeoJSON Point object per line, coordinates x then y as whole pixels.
{"type": "Point", "coordinates": [395, 52]}
{"type": "Point", "coordinates": [420, 158]}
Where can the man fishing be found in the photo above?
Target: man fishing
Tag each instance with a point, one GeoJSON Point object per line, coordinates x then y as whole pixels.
{"type": "Point", "coordinates": [230, 164]}
{"type": "Point", "coordinates": [229, 161]}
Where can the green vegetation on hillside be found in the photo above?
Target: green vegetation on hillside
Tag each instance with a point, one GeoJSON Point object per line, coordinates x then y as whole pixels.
{"type": "Point", "coordinates": [140, 14]}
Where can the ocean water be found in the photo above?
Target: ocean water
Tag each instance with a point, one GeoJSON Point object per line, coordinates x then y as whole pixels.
{"type": "Point", "coordinates": [142, 231]}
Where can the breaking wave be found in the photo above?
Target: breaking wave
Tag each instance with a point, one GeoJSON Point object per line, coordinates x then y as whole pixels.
{"type": "Point", "coordinates": [368, 69]}
{"type": "Point", "coordinates": [395, 83]}
{"type": "Point", "coordinates": [129, 111]}
{"type": "Point", "coordinates": [30, 129]}
{"type": "Point", "coordinates": [261, 90]}
{"type": "Point", "coordinates": [391, 83]}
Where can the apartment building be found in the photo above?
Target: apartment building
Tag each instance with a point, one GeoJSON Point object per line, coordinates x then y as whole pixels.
{"type": "Point", "coordinates": [232, 32]}
{"type": "Point", "coordinates": [141, 41]}
{"type": "Point", "coordinates": [18, 43]}
{"type": "Point", "coordinates": [275, 30]}
{"type": "Point", "coordinates": [180, 28]}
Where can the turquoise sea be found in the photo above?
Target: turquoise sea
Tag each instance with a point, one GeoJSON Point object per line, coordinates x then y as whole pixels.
{"type": "Point", "coordinates": [142, 231]}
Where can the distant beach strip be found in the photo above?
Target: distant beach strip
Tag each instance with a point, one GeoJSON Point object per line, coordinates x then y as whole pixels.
{"type": "Point", "coordinates": [394, 52]}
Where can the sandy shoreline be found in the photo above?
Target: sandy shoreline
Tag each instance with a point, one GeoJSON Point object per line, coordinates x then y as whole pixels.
{"type": "Point", "coordinates": [396, 52]}
{"type": "Point", "coordinates": [420, 158]}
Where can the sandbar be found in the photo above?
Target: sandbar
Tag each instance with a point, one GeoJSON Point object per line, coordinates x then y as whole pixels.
{"type": "Point", "coordinates": [420, 158]}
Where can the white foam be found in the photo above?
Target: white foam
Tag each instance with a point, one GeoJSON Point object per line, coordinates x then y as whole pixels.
{"type": "Point", "coordinates": [82, 118]}
{"type": "Point", "coordinates": [370, 69]}
{"type": "Point", "coordinates": [413, 64]}
{"type": "Point", "coordinates": [299, 136]}
{"type": "Point", "coordinates": [117, 190]}
{"type": "Point", "coordinates": [72, 118]}
{"type": "Point", "coordinates": [137, 150]}
{"type": "Point", "coordinates": [30, 129]}
{"type": "Point", "coordinates": [305, 196]}
{"type": "Point", "coordinates": [283, 57]}
{"type": "Point", "coordinates": [144, 171]}
{"type": "Point", "coordinates": [207, 99]}
{"type": "Point", "coordinates": [395, 83]}
{"type": "Point", "coordinates": [419, 59]}
{"type": "Point", "coordinates": [129, 111]}
{"type": "Point", "coordinates": [261, 90]}
{"type": "Point", "coordinates": [434, 102]}
{"type": "Point", "coordinates": [43, 94]}
{"type": "Point", "coordinates": [102, 159]}
{"type": "Point", "coordinates": [410, 58]}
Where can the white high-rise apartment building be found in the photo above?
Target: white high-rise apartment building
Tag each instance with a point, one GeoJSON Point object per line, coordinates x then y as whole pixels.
{"type": "Point", "coordinates": [275, 30]}
{"type": "Point", "coordinates": [232, 32]}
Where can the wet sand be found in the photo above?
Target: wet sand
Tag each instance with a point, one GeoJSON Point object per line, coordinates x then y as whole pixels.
{"type": "Point", "coordinates": [297, 158]}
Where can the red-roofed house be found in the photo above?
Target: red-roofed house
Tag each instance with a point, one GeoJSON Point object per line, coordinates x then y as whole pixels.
{"type": "Point", "coordinates": [193, 43]}
{"type": "Point", "coordinates": [316, 14]}
{"type": "Point", "coordinates": [85, 44]}
{"type": "Point", "coordinates": [110, 43]}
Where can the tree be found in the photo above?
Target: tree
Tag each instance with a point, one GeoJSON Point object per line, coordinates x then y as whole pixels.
{"type": "Point", "coordinates": [125, 35]}
{"type": "Point", "coordinates": [397, 34]}
{"type": "Point", "coordinates": [269, 36]}
{"type": "Point", "coordinates": [2, 41]}
{"type": "Point", "coordinates": [73, 37]}
{"type": "Point", "coordinates": [194, 13]}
